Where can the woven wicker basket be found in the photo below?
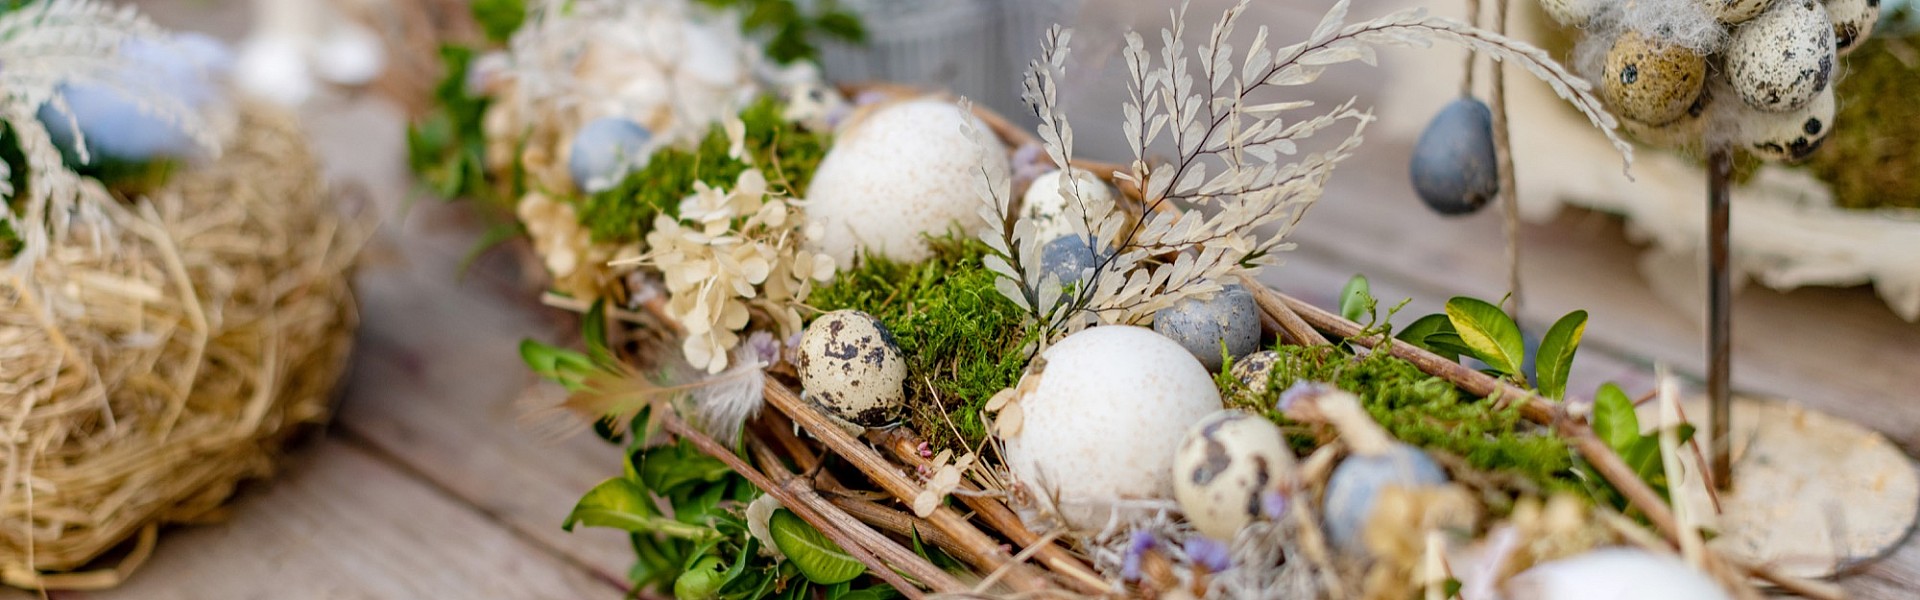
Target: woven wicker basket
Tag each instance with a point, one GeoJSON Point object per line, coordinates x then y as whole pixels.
{"type": "Point", "coordinates": [153, 364]}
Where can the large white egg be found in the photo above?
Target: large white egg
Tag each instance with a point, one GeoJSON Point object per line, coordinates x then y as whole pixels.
{"type": "Point", "coordinates": [1103, 420]}
{"type": "Point", "coordinates": [1610, 573]}
{"type": "Point", "coordinates": [906, 170]}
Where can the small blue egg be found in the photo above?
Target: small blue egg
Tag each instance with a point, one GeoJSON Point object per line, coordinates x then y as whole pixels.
{"type": "Point", "coordinates": [1453, 168]}
{"type": "Point", "coordinates": [1067, 257]}
{"type": "Point", "coordinates": [1201, 326]}
{"type": "Point", "coordinates": [1357, 482]}
{"type": "Point", "coordinates": [604, 150]}
{"type": "Point", "coordinates": [184, 68]}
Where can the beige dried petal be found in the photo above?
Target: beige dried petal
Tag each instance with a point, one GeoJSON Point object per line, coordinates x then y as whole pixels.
{"type": "Point", "coordinates": [925, 503]}
{"type": "Point", "coordinates": [1008, 423]}
{"type": "Point", "coordinates": [1000, 400]}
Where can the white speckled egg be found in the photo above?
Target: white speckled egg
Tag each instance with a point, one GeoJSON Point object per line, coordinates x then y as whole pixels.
{"type": "Point", "coordinates": [1650, 81]}
{"type": "Point", "coordinates": [1053, 213]}
{"type": "Point", "coordinates": [1783, 58]}
{"type": "Point", "coordinates": [1101, 423]}
{"type": "Point", "coordinates": [903, 171]}
{"type": "Point", "coordinates": [1736, 11]}
{"type": "Point", "coordinates": [1853, 22]}
{"type": "Point", "coordinates": [1573, 13]}
{"type": "Point", "coordinates": [850, 365]}
{"type": "Point", "coordinates": [1229, 464]}
{"type": "Point", "coordinates": [1787, 136]}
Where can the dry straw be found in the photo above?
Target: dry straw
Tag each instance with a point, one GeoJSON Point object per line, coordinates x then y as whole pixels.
{"type": "Point", "coordinates": [149, 366]}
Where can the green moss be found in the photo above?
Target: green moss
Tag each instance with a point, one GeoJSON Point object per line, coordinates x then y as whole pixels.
{"type": "Point", "coordinates": [787, 153]}
{"type": "Point", "coordinates": [961, 339]}
{"type": "Point", "coordinates": [1872, 155]}
{"type": "Point", "coordinates": [1419, 409]}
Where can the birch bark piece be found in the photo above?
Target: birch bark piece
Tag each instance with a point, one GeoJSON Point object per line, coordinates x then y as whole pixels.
{"type": "Point", "coordinates": [1813, 495]}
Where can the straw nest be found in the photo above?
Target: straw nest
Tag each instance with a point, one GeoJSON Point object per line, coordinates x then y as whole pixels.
{"type": "Point", "coordinates": [149, 366]}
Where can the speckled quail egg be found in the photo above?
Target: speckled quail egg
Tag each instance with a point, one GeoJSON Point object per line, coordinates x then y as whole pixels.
{"type": "Point", "coordinates": [1101, 418]}
{"type": "Point", "coordinates": [1782, 59]}
{"type": "Point", "coordinates": [1229, 464]}
{"type": "Point", "coordinates": [850, 365]}
{"type": "Point", "coordinates": [1202, 326]}
{"type": "Point", "coordinates": [1616, 572]}
{"type": "Point", "coordinates": [1736, 11]}
{"type": "Point", "coordinates": [1853, 22]}
{"type": "Point", "coordinates": [1787, 136]}
{"type": "Point", "coordinates": [1357, 482]}
{"type": "Point", "coordinates": [1068, 257]}
{"type": "Point", "coordinates": [1053, 213]}
{"type": "Point", "coordinates": [604, 150]}
{"type": "Point", "coordinates": [895, 174]}
{"type": "Point", "coordinates": [1651, 81]}
{"type": "Point", "coordinates": [1681, 132]}
{"type": "Point", "coordinates": [1453, 168]}
{"type": "Point", "coordinates": [185, 68]}
{"type": "Point", "coordinates": [1573, 13]}
{"type": "Point", "coordinates": [1253, 370]}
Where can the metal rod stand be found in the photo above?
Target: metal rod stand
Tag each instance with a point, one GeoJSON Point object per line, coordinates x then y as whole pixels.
{"type": "Point", "coordinates": [1719, 316]}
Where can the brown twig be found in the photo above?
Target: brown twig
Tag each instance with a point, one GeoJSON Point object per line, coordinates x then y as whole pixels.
{"type": "Point", "coordinates": [979, 549]}
{"type": "Point", "coordinates": [903, 444]}
{"type": "Point", "coordinates": [793, 502]}
{"type": "Point", "coordinates": [1289, 321]}
{"type": "Point", "coordinates": [892, 553]}
{"type": "Point", "coordinates": [893, 521]}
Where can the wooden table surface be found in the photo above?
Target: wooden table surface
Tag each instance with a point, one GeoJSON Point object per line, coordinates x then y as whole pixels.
{"type": "Point", "coordinates": [429, 484]}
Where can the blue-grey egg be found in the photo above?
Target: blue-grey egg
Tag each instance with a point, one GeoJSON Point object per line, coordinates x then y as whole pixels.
{"type": "Point", "coordinates": [1230, 317]}
{"type": "Point", "coordinates": [1068, 257]}
{"type": "Point", "coordinates": [1356, 484]}
{"type": "Point", "coordinates": [185, 69]}
{"type": "Point", "coordinates": [1453, 167]}
{"type": "Point", "coordinates": [604, 150]}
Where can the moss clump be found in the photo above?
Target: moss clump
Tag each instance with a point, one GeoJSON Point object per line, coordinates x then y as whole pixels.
{"type": "Point", "coordinates": [961, 339]}
{"type": "Point", "coordinates": [786, 153]}
{"type": "Point", "coordinates": [1874, 151]}
{"type": "Point", "coordinates": [1422, 410]}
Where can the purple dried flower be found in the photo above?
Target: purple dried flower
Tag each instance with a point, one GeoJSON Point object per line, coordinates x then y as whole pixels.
{"type": "Point", "coordinates": [1137, 548]}
{"type": "Point", "coordinates": [1210, 553]}
{"type": "Point", "coordinates": [925, 450]}
{"type": "Point", "coordinates": [764, 346]}
{"type": "Point", "coordinates": [1300, 391]}
{"type": "Point", "coordinates": [1273, 504]}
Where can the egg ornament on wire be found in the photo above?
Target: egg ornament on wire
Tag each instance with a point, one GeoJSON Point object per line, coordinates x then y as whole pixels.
{"type": "Point", "coordinates": [1453, 168]}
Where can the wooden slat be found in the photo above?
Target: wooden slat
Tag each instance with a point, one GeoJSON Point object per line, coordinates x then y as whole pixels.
{"type": "Point", "coordinates": [342, 523]}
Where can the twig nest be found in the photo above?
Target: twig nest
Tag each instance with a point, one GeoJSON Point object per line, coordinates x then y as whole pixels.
{"type": "Point", "coordinates": [1229, 321]}
{"type": "Point", "coordinates": [1068, 258]}
{"type": "Point", "coordinates": [1233, 468]}
{"type": "Point", "coordinates": [604, 150]}
{"type": "Point", "coordinates": [1734, 12]}
{"type": "Point", "coordinates": [1651, 81]}
{"type": "Point", "coordinates": [1356, 485]}
{"type": "Point", "coordinates": [119, 122]}
{"type": "Point", "coordinates": [1611, 573]}
{"type": "Point", "coordinates": [1052, 212]}
{"type": "Point", "coordinates": [1453, 168]}
{"type": "Point", "coordinates": [905, 170]}
{"type": "Point", "coordinates": [1787, 136]}
{"type": "Point", "coordinates": [1853, 22]}
{"type": "Point", "coordinates": [851, 366]}
{"type": "Point", "coordinates": [1100, 418]}
{"type": "Point", "coordinates": [1783, 58]}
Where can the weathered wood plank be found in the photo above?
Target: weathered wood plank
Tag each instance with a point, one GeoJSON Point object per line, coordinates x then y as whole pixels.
{"type": "Point", "coordinates": [343, 523]}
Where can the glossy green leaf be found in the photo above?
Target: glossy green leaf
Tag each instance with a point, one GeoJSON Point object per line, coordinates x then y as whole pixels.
{"type": "Point", "coordinates": [1554, 362]}
{"type": "Point", "coordinates": [1356, 299]}
{"type": "Point", "coordinates": [1423, 331]}
{"type": "Point", "coordinates": [1492, 336]}
{"type": "Point", "coordinates": [670, 469]}
{"type": "Point", "coordinates": [818, 558]}
{"type": "Point", "coordinates": [566, 367]}
{"type": "Point", "coordinates": [620, 503]}
{"type": "Point", "coordinates": [1448, 343]}
{"type": "Point", "coordinates": [878, 592]}
{"type": "Point", "coordinates": [702, 581]}
{"type": "Point", "coordinates": [1614, 421]}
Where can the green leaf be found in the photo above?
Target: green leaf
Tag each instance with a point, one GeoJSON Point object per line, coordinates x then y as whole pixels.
{"type": "Point", "coordinates": [1422, 331]}
{"type": "Point", "coordinates": [1643, 456]}
{"type": "Point", "coordinates": [1492, 336]}
{"type": "Point", "coordinates": [667, 470]}
{"type": "Point", "coordinates": [1614, 421]}
{"type": "Point", "coordinates": [620, 503]}
{"type": "Point", "coordinates": [1448, 343]}
{"type": "Point", "coordinates": [844, 26]}
{"type": "Point", "coordinates": [499, 18]}
{"type": "Point", "coordinates": [1554, 362]}
{"type": "Point", "coordinates": [1356, 299]}
{"type": "Point", "coordinates": [702, 581]}
{"type": "Point", "coordinates": [878, 592]}
{"type": "Point", "coordinates": [818, 558]}
{"type": "Point", "coordinates": [593, 329]}
{"type": "Point", "coordinates": [566, 367]}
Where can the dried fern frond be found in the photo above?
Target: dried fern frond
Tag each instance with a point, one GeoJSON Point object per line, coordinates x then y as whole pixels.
{"type": "Point", "coordinates": [1224, 204]}
{"type": "Point", "coordinates": [43, 46]}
